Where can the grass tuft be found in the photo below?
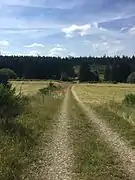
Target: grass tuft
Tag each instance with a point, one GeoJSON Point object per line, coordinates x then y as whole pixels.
{"type": "Point", "coordinates": [129, 99]}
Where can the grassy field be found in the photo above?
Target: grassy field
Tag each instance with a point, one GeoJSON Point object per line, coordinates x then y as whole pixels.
{"type": "Point", "coordinates": [107, 101]}
{"type": "Point", "coordinates": [103, 93]}
{"type": "Point", "coordinates": [29, 87]}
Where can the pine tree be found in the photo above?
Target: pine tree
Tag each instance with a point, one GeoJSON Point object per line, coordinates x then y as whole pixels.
{"type": "Point", "coordinates": [84, 72]}
{"type": "Point", "coordinates": [120, 71]}
{"type": "Point", "coordinates": [107, 73]}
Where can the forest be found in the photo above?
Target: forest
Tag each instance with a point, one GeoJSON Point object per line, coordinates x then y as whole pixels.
{"type": "Point", "coordinates": [85, 68]}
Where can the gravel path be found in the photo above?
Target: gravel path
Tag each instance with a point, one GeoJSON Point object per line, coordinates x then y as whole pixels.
{"type": "Point", "coordinates": [119, 145]}
{"type": "Point", "coordinates": [61, 152]}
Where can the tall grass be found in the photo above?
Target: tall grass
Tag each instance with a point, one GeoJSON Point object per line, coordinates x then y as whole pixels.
{"type": "Point", "coordinates": [18, 139]}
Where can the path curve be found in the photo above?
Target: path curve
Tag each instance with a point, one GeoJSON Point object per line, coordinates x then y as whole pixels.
{"type": "Point", "coordinates": [119, 145]}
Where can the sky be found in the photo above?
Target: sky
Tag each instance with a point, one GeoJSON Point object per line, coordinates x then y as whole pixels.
{"type": "Point", "coordinates": [67, 27]}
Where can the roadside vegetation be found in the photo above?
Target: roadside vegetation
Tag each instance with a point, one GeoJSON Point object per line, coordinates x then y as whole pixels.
{"type": "Point", "coordinates": [94, 159]}
{"type": "Point", "coordinates": [23, 122]}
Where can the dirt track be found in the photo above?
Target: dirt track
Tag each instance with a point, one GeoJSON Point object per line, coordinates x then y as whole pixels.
{"type": "Point", "coordinates": [61, 166]}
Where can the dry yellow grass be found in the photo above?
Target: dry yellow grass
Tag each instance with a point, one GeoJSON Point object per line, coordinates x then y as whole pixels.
{"type": "Point", "coordinates": [29, 87]}
{"type": "Point", "coordinates": [103, 93]}
{"type": "Point", "coordinates": [107, 101]}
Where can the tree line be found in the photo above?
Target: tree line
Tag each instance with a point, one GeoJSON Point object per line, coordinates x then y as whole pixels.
{"type": "Point", "coordinates": [28, 67]}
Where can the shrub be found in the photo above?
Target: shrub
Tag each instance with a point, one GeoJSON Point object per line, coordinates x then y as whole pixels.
{"type": "Point", "coordinates": [44, 91]}
{"type": "Point", "coordinates": [50, 88]}
{"type": "Point", "coordinates": [115, 82]}
{"type": "Point", "coordinates": [6, 74]}
{"type": "Point", "coordinates": [11, 105]}
{"type": "Point", "coordinates": [131, 78]}
{"type": "Point", "coordinates": [9, 73]}
{"type": "Point", "coordinates": [129, 99]}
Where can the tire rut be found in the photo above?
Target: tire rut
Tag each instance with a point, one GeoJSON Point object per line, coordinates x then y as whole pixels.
{"type": "Point", "coordinates": [61, 152]}
{"type": "Point", "coordinates": [119, 145]}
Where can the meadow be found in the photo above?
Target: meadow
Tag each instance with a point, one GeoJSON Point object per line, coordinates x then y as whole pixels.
{"type": "Point", "coordinates": [103, 93]}
{"type": "Point", "coordinates": [107, 101]}
{"type": "Point", "coordinates": [29, 87]}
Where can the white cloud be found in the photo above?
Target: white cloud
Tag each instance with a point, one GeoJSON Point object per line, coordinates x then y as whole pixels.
{"type": "Point", "coordinates": [117, 42]}
{"type": "Point", "coordinates": [58, 45]}
{"type": "Point", "coordinates": [108, 47]}
{"type": "Point", "coordinates": [34, 45]}
{"type": "Point", "coordinates": [105, 45]}
{"type": "Point", "coordinates": [33, 53]}
{"type": "Point", "coordinates": [4, 43]}
{"type": "Point", "coordinates": [103, 37]}
{"type": "Point", "coordinates": [58, 51]}
{"type": "Point", "coordinates": [87, 42]}
{"type": "Point", "coordinates": [132, 31]}
{"type": "Point", "coordinates": [102, 29]}
{"type": "Point", "coordinates": [30, 53]}
{"type": "Point", "coordinates": [81, 30]}
{"type": "Point", "coordinates": [72, 54]}
{"type": "Point", "coordinates": [123, 29]}
{"type": "Point", "coordinates": [19, 53]}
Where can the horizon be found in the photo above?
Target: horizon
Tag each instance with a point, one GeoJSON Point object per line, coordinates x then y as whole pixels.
{"type": "Point", "coordinates": [74, 28]}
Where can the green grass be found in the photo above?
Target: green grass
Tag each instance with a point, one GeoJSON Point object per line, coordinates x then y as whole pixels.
{"type": "Point", "coordinates": [121, 118]}
{"type": "Point", "coordinates": [93, 158]}
{"type": "Point", "coordinates": [18, 141]}
{"type": "Point", "coordinates": [107, 101]}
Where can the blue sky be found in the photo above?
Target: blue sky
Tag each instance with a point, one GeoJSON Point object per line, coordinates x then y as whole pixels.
{"type": "Point", "coordinates": [67, 27]}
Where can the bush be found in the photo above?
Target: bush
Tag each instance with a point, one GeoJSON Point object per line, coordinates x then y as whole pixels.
{"type": "Point", "coordinates": [129, 99]}
{"type": "Point", "coordinates": [115, 82]}
{"type": "Point", "coordinates": [11, 105]}
{"type": "Point", "coordinates": [9, 73]}
{"type": "Point", "coordinates": [131, 78]}
{"type": "Point", "coordinates": [6, 74]}
{"type": "Point", "coordinates": [44, 91]}
{"type": "Point", "coordinates": [50, 88]}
